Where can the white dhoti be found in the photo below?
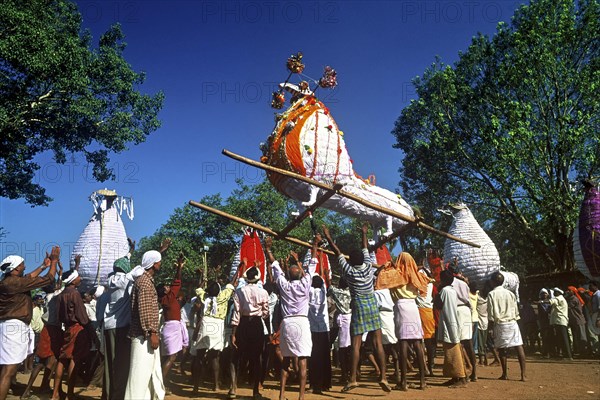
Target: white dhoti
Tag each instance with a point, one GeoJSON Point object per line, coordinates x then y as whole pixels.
{"type": "Point", "coordinates": [407, 320]}
{"type": "Point", "coordinates": [343, 323]}
{"type": "Point", "coordinates": [388, 327]}
{"type": "Point", "coordinates": [31, 342]}
{"type": "Point", "coordinates": [507, 335]}
{"type": "Point", "coordinates": [145, 374]}
{"type": "Point", "coordinates": [295, 337]}
{"type": "Point", "coordinates": [211, 335]}
{"type": "Point", "coordinates": [465, 323]}
{"type": "Point", "coordinates": [14, 341]}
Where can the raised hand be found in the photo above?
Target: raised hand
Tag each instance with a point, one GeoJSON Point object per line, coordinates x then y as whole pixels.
{"type": "Point", "coordinates": [364, 228]}
{"type": "Point", "coordinates": [165, 244]}
{"type": "Point", "coordinates": [55, 254]}
{"type": "Point", "coordinates": [180, 260]}
{"type": "Point", "coordinates": [268, 242]}
{"type": "Point", "coordinates": [131, 243]}
{"type": "Point", "coordinates": [47, 261]}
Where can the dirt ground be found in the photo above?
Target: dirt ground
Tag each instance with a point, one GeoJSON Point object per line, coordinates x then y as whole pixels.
{"type": "Point", "coordinates": [548, 379]}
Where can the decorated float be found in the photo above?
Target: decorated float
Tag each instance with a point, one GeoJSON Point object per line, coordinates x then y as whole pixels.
{"type": "Point", "coordinates": [306, 159]}
{"type": "Point", "coordinates": [103, 239]}
{"type": "Point", "coordinates": [586, 238]}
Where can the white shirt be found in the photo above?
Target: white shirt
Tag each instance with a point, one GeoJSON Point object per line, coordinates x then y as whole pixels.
{"type": "Point", "coordinates": [502, 306]}
{"type": "Point", "coordinates": [318, 315]}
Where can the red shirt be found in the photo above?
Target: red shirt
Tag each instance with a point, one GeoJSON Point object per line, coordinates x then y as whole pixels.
{"type": "Point", "coordinates": [169, 303]}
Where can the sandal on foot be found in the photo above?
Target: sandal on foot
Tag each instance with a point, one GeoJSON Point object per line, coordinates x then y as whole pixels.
{"type": "Point", "coordinates": [349, 387]}
{"type": "Point", "coordinates": [385, 387]}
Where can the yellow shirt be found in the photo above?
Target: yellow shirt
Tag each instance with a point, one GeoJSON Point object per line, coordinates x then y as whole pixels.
{"type": "Point", "coordinates": [36, 320]}
{"type": "Point", "coordinates": [408, 291]}
{"type": "Point", "coordinates": [474, 313]}
{"type": "Point", "coordinates": [218, 308]}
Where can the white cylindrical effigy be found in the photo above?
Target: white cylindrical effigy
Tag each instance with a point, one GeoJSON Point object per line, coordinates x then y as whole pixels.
{"type": "Point", "coordinates": [477, 264]}
{"type": "Point", "coordinates": [103, 240]}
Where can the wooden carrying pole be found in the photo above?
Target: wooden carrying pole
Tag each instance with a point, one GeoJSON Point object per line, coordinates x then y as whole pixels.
{"type": "Point", "coordinates": [357, 199]}
{"type": "Point", "coordinates": [254, 225]}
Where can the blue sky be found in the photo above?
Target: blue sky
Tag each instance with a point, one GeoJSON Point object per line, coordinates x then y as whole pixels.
{"type": "Point", "coordinates": [217, 63]}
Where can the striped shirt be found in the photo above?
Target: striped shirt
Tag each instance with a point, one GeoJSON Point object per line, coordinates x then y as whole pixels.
{"type": "Point", "coordinates": [358, 277]}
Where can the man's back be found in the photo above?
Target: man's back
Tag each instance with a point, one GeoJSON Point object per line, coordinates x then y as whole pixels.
{"type": "Point", "coordinates": [502, 305]}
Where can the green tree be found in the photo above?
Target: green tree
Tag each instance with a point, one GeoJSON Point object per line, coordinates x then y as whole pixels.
{"type": "Point", "coordinates": [511, 127]}
{"type": "Point", "coordinates": [59, 94]}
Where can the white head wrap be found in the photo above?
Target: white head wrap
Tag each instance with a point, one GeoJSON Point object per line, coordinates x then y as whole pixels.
{"type": "Point", "coordinates": [8, 264]}
{"type": "Point", "coordinates": [256, 279]}
{"type": "Point", "coordinates": [544, 290]}
{"type": "Point", "coordinates": [150, 258]}
{"type": "Point", "coordinates": [558, 290]}
{"type": "Point", "coordinates": [72, 276]}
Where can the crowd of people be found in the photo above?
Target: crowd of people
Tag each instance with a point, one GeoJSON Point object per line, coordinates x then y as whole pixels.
{"type": "Point", "coordinates": [129, 335]}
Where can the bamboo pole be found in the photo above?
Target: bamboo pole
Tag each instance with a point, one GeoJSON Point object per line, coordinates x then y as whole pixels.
{"type": "Point", "coordinates": [310, 209]}
{"type": "Point", "coordinates": [350, 196]}
{"type": "Point", "coordinates": [254, 225]}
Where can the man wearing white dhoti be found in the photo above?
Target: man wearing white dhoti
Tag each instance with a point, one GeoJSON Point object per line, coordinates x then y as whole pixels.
{"type": "Point", "coordinates": [449, 332]}
{"type": "Point", "coordinates": [145, 376]}
{"type": "Point", "coordinates": [409, 329]}
{"type": "Point", "coordinates": [209, 333]}
{"type": "Point", "coordinates": [465, 321]}
{"type": "Point", "coordinates": [16, 310]}
{"type": "Point", "coordinates": [294, 294]}
{"type": "Point", "coordinates": [503, 312]}
{"type": "Point", "coordinates": [113, 313]}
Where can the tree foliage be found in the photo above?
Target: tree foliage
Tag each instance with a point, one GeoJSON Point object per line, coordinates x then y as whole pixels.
{"type": "Point", "coordinates": [59, 94]}
{"type": "Point", "coordinates": [510, 128]}
{"type": "Point", "coordinates": [191, 229]}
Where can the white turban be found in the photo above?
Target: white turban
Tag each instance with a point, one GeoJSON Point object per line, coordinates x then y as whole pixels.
{"type": "Point", "coordinates": [72, 276]}
{"type": "Point", "coordinates": [558, 290]}
{"type": "Point", "coordinates": [256, 279]}
{"type": "Point", "coordinates": [8, 264]}
{"type": "Point", "coordinates": [543, 291]}
{"type": "Point", "coordinates": [150, 258]}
